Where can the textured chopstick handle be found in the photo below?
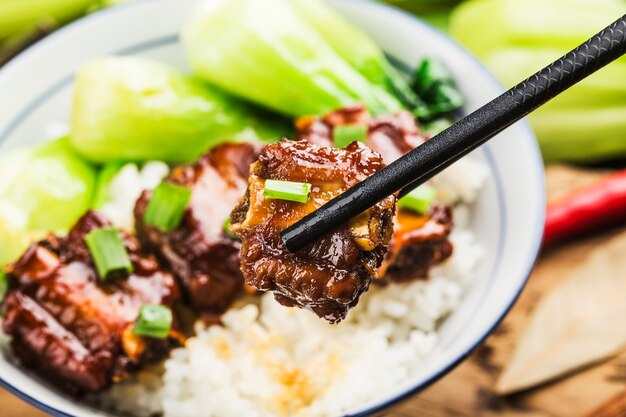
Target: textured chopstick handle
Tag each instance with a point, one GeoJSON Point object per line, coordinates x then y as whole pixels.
{"type": "Point", "coordinates": [595, 53]}
{"type": "Point", "coordinates": [430, 158]}
{"type": "Point", "coordinates": [598, 51]}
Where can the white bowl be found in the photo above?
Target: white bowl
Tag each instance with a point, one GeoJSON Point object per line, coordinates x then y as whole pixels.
{"type": "Point", "coordinates": [36, 90]}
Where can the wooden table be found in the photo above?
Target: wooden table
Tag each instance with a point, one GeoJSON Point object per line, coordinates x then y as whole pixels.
{"type": "Point", "coordinates": [467, 391]}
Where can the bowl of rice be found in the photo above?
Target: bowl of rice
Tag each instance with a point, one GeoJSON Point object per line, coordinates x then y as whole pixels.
{"type": "Point", "coordinates": [268, 360]}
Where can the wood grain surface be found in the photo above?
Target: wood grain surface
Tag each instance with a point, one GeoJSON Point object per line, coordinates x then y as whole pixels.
{"type": "Point", "coordinates": [598, 391]}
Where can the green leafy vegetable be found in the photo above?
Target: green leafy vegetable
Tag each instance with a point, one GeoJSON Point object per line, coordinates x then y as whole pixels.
{"type": "Point", "coordinates": [154, 321]}
{"type": "Point", "coordinates": [419, 199]}
{"type": "Point", "coordinates": [108, 253]}
{"type": "Point", "coordinates": [268, 52]}
{"type": "Point", "coordinates": [23, 22]}
{"type": "Point", "coordinates": [136, 109]}
{"type": "Point", "coordinates": [17, 16]}
{"type": "Point", "coordinates": [287, 190]}
{"type": "Point", "coordinates": [435, 12]}
{"type": "Point", "coordinates": [358, 49]}
{"type": "Point", "coordinates": [42, 189]}
{"type": "Point", "coordinates": [434, 83]}
{"type": "Point", "coordinates": [586, 123]}
{"type": "Point", "coordinates": [167, 206]}
{"type": "Point", "coordinates": [346, 134]}
{"type": "Point", "coordinates": [349, 42]}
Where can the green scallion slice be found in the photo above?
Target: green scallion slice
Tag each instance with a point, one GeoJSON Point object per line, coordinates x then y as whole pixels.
{"type": "Point", "coordinates": [227, 228]}
{"type": "Point", "coordinates": [167, 206]}
{"type": "Point", "coordinates": [436, 126]}
{"type": "Point", "coordinates": [419, 200]}
{"type": "Point", "coordinates": [287, 190]}
{"type": "Point", "coordinates": [4, 286]}
{"type": "Point", "coordinates": [154, 321]}
{"type": "Point", "coordinates": [346, 134]}
{"type": "Point", "coordinates": [108, 253]}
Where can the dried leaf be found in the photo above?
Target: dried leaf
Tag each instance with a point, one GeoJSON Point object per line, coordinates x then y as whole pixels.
{"type": "Point", "coordinates": [582, 321]}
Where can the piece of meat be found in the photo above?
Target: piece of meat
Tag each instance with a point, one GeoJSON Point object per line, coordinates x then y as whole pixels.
{"type": "Point", "coordinates": [319, 130]}
{"type": "Point", "coordinates": [390, 135]}
{"type": "Point", "coordinates": [72, 327]}
{"type": "Point", "coordinates": [199, 251]}
{"type": "Point", "coordinates": [420, 241]}
{"type": "Point", "coordinates": [330, 274]}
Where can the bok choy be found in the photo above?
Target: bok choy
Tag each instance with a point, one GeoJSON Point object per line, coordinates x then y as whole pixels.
{"type": "Point", "coordinates": [292, 56]}
{"type": "Point", "coordinates": [136, 109]}
{"type": "Point", "coordinates": [42, 189]}
{"type": "Point", "coordinates": [19, 16]}
{"type": "Point", "coordinates": [586, 123]}
{"type": "Point", "coordinates": [358, 49]}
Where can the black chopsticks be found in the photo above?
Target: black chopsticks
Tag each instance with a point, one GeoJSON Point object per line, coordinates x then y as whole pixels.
{"type": "Point", "coordinates": [430, 158]}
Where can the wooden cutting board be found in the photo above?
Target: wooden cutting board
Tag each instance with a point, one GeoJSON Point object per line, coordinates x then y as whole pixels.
{"type": "Point", "coordinates": [468, 390]}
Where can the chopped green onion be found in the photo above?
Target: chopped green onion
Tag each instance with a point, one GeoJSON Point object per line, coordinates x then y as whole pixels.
{"type": "Point", "coordinates": [287, 190]}
{"type": "Point", "coordinates": [167, 206]}
{"type": "Point", "coordinates": [4, 286]}
{"type": "Point", "coordinates": [154, 321]}
{"type": "Point", "coordinates": [346, 134]}
{"type": "Point", "coordinates": [436, 126]}
{"type": "Point", "coordinates": [108, 253]}
{"type": "Point", "coordinates": [227, 228]}
{"type": "Point", "coordinates": [419, 199]}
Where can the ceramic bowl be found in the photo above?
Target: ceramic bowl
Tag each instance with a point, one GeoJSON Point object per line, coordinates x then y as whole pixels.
{"type": "Point", "coordinates": [35, 94]}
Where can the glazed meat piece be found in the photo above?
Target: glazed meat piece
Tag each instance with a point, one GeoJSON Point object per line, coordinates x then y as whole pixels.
{"type": "Point", "coordinates": [329, 275]}
{"type": "Point", "coordinates": [72, 327]}
{"type": "Point", "coordinates": [199, 251]}
{"type": "Point", "coordinates": [390, 135]}
{"type": "Point", "coordinates": [419, 241]}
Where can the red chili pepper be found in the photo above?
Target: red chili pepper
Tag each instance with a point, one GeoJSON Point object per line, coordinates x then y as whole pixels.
{"type": "Point", "coordinates": [597, 206]}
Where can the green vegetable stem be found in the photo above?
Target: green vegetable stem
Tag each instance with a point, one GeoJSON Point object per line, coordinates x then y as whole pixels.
{"type": "Point", "coordinates": [274, 53]}
{"type": "Point", "coordinates": [136, 109]}
{"type": "Point", "coordinates": [434, 83]}
{"type": "Point", "coordinates": [358, 49]}
{"type": "Point", "coordinates": [23, 22]}
{"type": "Point", "coordinates": [20, 16]}
{"type": "Point", "coordinates": [584, 124]}
{"type": "Point", "coordinates": [436, 12]}
{"type": "Point", "coordinates": [42, 189]}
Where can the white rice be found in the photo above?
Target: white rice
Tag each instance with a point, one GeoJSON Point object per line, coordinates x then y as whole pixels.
{"type": "Point", "coordinates": [270, 360]}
